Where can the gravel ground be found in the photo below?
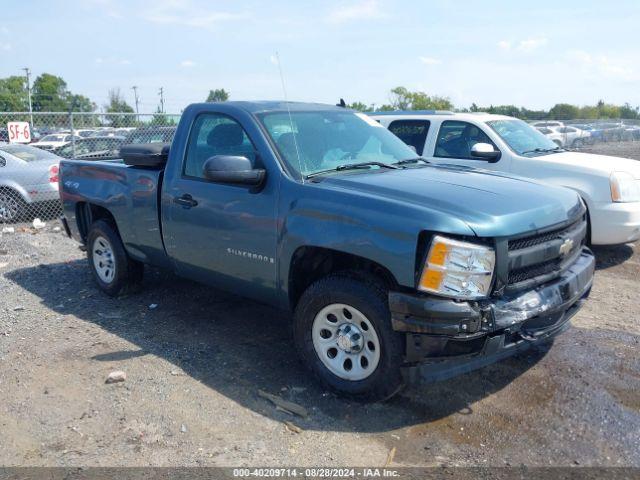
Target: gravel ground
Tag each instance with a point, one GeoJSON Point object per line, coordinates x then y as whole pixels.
{"type": "Point", "coordinates": [195, 362]}
{"type": "Point", "coordinates": [617, 149]}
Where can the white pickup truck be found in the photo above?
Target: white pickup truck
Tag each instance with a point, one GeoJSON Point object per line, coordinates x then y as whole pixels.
{"type": "Point", "coordinates": [610, 186]}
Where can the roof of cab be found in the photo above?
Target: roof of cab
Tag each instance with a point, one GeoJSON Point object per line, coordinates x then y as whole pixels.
{"type": "Point", "coordinates": [277, 106]}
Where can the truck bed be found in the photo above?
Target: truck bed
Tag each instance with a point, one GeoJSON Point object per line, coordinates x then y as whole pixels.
{"type": "Point", "coordinates": [131, 194]}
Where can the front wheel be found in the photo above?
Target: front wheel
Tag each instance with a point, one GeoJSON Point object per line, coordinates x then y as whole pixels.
{"type": "Point", "coordinates": [114, 271]}
{"type": "Point", "coordinates": [342, 329]}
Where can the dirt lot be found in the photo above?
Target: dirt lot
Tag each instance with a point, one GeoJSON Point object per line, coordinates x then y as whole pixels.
{"type": "Point", "coordinates": [196, 361]}
{"type": "Point", "coordinates": [617, 149]}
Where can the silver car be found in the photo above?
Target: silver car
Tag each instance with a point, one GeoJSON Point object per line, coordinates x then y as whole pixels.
{"type": "Point", "coordinates": [28, 176]}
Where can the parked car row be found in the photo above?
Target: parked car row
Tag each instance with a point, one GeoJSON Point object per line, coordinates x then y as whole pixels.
{"type": "Point", "coordinates": [576, 135]}
{"type": "Point", "coordinates": [23, 167]}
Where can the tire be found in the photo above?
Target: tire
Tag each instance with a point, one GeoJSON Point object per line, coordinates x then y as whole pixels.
{"type": "Point", "coordinates": [577, 143]}
{"type": "Point", "coordinates": [558, 143]}
{"type": "Point", "coordinates": [360, 308]}
{"type": "Point", "coordinates": [113, 270]}
{"type": "Point", "coordinates": [12, 206]}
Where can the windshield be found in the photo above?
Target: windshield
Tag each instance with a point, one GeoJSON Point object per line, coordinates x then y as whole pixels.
{"type": "Point", "coordinates": [53, 138]}
{"type": "Point", "coordinates": [521, 137]}
{"type": "Point", "coordinates": [29, 154]}
{"type": "Point", "coordinates": [311, 142]}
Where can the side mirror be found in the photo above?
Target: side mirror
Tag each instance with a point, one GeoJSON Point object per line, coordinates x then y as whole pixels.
{"type": "Point", "coordinates": [232, 169]}
{"type": "Point", "coordinates": [485, 151]}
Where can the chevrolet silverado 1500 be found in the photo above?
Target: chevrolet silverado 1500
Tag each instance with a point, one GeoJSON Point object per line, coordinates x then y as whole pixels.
{"type": "Point", "coordinates": [389, 264]}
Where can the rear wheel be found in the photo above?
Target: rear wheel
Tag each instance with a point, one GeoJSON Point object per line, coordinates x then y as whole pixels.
{"type": "Point", "coordinates": [342, 330]}
{"type": "Point", "coordinates": [12, 206]}
{"type": "Point", "coordinates": [114, 271]}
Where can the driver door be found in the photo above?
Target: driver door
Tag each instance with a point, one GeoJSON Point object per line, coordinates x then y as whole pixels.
{"type": "Point", "coordinates": [220, 233]}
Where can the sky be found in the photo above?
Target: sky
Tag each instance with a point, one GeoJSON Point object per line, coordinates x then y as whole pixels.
{"type": "Point", "coordinates": [532, 54]}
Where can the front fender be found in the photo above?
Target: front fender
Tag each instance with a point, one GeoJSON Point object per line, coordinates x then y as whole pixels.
{"type": "Point", "coordinates": [369, 227]}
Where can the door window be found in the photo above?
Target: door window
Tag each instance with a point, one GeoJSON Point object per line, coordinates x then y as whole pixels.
{"type": "Point", "coordinates": [455, 140]}
{"type": "Point", "coordinates": [411, 132]}
{"type": "Point", "coordinates": [215, 134]}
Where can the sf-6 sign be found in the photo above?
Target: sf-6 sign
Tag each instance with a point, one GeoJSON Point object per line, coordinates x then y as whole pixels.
{"type": "Point", "coordinates": [19, 132]}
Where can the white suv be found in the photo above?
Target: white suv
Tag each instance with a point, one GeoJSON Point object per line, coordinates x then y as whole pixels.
{"type": "Point", "coordinates": [610, 186]}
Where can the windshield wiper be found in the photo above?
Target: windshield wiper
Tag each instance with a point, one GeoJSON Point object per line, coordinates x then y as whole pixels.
{"type": "Point", "coordinates": [353, 166]}
{"type": "Point", "coordinates": [543, 150]}
{"type": "Point", "coordinates": [411, 160]}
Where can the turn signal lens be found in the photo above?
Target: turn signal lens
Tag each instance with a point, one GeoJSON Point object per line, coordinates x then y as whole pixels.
{"type": "Point", "coordinates": [458, 269]}
{"type": "Point", "coordinates": [624, 188]}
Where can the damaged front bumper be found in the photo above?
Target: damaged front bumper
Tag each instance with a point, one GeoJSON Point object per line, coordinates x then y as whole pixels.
{"type": "Point", "coordinates": [446, 337]}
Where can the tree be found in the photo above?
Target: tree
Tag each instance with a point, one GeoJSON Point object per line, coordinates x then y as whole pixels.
{"type": "Point", "coordinates": [13, 94]}
{"type": "Point", "coordinates": [218, 95]}
{"type": "Point", "coordinates": [403, 99]}
{"type": "Point", "coordinates": [117, 104]}
{"type": "Point", "coordinates": [50, 94]}
{"type": "Point", "coordinates": [607, 110]}
{"type": "Point", "coordinates": [563, 111]}
{"type": "Point", "coordinates": [162, 119]}
{"type": "Point", "coordinates": [627, 111]}
{"type": "Point", "coordinates": [359, 106]}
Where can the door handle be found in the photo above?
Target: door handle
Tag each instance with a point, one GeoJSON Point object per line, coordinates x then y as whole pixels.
{"type": "Point", "coordinates": [186, 201]}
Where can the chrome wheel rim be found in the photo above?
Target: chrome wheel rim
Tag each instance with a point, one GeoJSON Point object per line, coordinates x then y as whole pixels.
{"type": "Point", "coordinates": [346, 342]}
{"type": "Point", "coordinates": [103, 260]}
{"type": "Point", "coordinates": [9, 207]}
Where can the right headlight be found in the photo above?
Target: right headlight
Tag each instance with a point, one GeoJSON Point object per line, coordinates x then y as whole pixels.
{"type": "Point", "coordinates": [624, 188]}
{"type": "Point", "coordinates": [458, 269]}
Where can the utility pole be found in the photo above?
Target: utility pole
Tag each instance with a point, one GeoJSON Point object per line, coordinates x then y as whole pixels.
{"type": "Point", "coordinates": [27, 73]}
{"type": "Point", "coordinates": [161, 92]}
{"type": "Point", "coordinates": [135, 94]}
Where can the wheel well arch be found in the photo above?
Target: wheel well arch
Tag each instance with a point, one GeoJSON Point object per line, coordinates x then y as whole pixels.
{"type": "Point", "coordinates": [16, 190]}
{"type": "Point", "coordinates": [310, 263]}
{"type": "Point", "coordinates": [87, 213]}
{"type": "Point", "coordinates": [589, 225]}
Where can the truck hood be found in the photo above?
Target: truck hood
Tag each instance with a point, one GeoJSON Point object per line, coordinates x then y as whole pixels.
{"type": "Point", "coordinates": [492, 204]}
{"type": "Point", "coordinates": [604, 164]}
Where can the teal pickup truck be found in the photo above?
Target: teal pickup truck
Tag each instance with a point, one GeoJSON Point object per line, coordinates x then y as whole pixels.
{"type": "Point", "coordinates": [394, 268]}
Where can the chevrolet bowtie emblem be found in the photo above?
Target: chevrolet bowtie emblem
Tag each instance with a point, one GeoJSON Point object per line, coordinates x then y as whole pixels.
{"type": "Point", "coordinates": [566, 247]}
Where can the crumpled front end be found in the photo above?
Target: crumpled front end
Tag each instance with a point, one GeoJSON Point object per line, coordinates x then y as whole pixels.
{"type": "Point", "coordinates": [542, 282]}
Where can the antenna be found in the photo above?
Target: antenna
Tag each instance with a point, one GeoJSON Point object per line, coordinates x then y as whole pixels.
{"type": "Point", "coordinates": [286, 101]}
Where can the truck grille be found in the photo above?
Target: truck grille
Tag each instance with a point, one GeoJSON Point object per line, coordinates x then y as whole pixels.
{"type": "Point", "coordinates": [521, 274]}
{"type": "Point", "coordinates": [540, 238]}
{"type": "Point", "coordinates": [543, 256]}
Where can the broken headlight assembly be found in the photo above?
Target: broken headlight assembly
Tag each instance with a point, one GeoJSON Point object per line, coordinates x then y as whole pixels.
{"type": "Point", "coordinates": [458, 269]}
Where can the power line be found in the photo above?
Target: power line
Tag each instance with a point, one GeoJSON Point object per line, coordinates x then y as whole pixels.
{"type": "Point", "coordinates": [135, 94]}
{"type": "Point", "coordinates": [27, 73]}
{"type": "Point", "coordinates": [161, 92]}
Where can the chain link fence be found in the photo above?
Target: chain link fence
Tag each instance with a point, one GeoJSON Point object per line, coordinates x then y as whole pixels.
{"type": "Point", "coordinates": [29, 158]}
{"type": "Point", "coordinates": [29, 167]}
